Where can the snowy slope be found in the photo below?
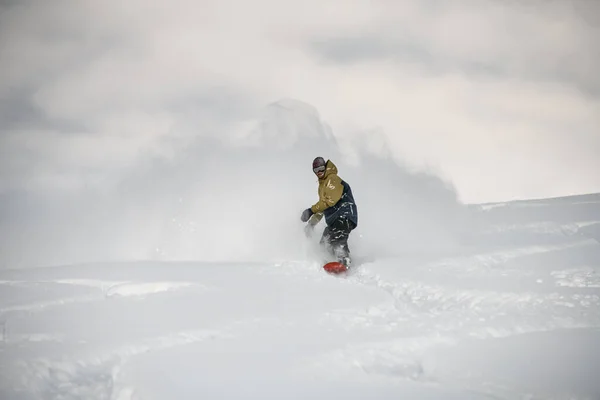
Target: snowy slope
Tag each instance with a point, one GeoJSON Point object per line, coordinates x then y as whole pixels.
{"type": "Point", "coordinates": [190, 277]}
{"type": "Point", "coordinates": [513, 314]}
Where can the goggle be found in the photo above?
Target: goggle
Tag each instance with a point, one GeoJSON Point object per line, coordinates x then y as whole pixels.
{"type": "Point", "coordinates": [319, 169]}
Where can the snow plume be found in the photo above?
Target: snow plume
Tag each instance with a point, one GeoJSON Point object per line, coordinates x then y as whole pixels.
{"type": "Point", "coordinates": [236, 197]}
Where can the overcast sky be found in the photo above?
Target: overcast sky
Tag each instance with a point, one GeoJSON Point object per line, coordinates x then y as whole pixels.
{"type": "Point", "coordinates": [501, 97]}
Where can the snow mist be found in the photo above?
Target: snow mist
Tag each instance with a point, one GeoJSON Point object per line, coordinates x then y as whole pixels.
{"type": "Point", "coordinates": [234, 198]}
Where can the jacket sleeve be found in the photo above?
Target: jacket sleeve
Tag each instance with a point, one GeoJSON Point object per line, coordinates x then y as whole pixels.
{"type": "Point", "coordinates": [314, 220]}
{"type": "Point", "coordinates": [332, 193]}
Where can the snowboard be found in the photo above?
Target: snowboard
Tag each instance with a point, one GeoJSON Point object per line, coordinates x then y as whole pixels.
{"type": "Point", "coordinates": [335, 268]}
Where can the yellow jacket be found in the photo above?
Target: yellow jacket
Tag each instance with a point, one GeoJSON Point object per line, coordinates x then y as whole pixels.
{"type": "Point", "coordinates": [330, 191]}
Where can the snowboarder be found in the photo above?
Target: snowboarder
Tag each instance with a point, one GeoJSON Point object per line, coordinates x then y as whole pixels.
{"type": "Point", "coordinates": [337, 204]}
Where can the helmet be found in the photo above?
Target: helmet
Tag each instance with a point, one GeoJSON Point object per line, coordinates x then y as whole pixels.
{"type": "Point", "coordinates": [318, 164]}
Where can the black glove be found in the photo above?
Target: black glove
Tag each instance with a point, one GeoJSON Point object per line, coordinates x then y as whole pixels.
{"type": "Point", "coordinates": [306, 214]}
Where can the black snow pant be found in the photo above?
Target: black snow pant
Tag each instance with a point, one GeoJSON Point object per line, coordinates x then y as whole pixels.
{"type": "Point", "coordinates": [335, 238]}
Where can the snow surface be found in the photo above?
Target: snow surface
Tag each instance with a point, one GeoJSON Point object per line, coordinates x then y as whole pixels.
{"type": "Point", "coordinates": [192, 279]}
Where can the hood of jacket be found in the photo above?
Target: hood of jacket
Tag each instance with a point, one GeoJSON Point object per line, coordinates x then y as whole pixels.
{"type": "Point", "coordinates": [330, 169]}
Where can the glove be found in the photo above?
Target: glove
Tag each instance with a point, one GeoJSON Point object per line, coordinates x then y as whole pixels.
{"type": "Point", "coordinates": [306, 214]}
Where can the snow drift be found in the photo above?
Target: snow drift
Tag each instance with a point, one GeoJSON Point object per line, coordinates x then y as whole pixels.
{"type": "Point", "coordinates": [514, 315]}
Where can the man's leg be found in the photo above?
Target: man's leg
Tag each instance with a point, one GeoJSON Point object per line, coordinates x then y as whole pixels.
{"type": "Point", "coordinates": [340, 231]}
{"type": "Point", "coordinates": [325, 241]}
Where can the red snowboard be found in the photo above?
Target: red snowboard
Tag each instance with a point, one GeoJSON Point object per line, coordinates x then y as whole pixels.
{"type": "Point", "coordinates": [335, 267]}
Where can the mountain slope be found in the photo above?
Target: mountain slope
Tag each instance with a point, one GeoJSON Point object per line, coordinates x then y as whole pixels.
{"type": "Point", "coordinates": [513, 313]}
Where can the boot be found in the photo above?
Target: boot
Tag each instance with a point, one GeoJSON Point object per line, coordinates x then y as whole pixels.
{"type": "Point", "coordinates": [346, 261]}
{"type": "Point", "coordinates": [343, 255]}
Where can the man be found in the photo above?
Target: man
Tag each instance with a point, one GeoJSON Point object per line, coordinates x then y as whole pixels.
{"type": "Point", "coordinates": [337, 204]}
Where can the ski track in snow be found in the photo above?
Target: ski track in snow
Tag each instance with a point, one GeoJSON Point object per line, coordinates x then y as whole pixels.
{"type": "Point", "coordinates": [442, 315]}
{"type": "Point", "coordinates": [436, 315]}
{"type": "Point", "coordinates": [488, 314]}
{"type": "Point", "coordinates": [583, 277]}
{"type": "Point", "coordinates": [547, 227]}
{"type": "Point", "coordinates": [97, 376]}
{"type": "Point", "coordinates": [104, 289]}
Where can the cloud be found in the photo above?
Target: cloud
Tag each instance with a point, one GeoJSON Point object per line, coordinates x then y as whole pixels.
{"type": "Point", "coordinates": [508, 87]}
{"type": "Point", "coordinates": [475, 89]}
{"type": "Point", "coordinates": [495, 39]}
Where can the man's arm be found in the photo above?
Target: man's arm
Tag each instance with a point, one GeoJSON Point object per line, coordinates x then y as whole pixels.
{"type": "Point", "coordinates": [315, 218]}
{"type": "Point", "coordinates": [331, 195]}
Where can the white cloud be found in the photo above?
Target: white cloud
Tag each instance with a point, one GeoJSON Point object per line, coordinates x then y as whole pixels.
{"type": "Point", "coordinates": [478, 89]}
